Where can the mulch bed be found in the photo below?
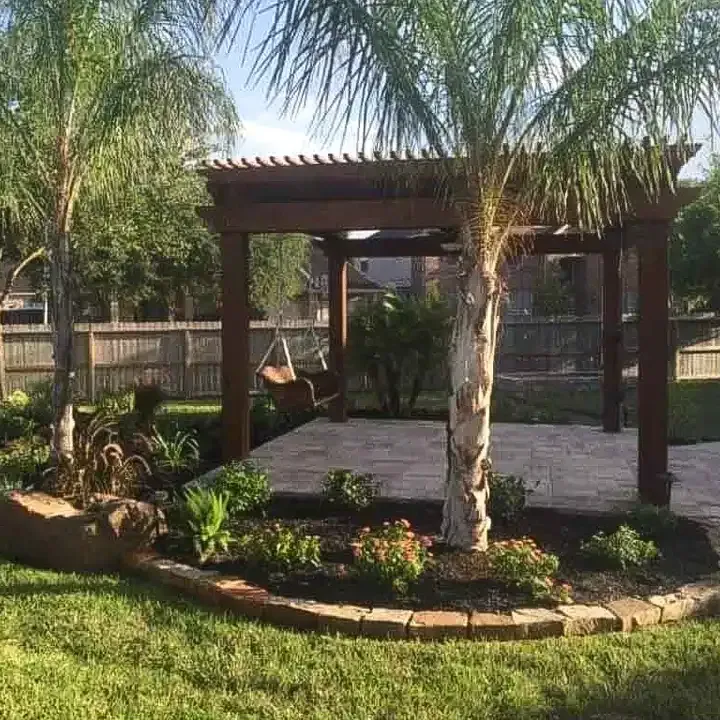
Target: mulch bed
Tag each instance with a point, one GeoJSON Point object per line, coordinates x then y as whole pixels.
{"type": "Point", "coordinates": [457, 580]}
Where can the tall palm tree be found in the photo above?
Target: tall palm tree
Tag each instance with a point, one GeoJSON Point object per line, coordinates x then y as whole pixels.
{"type": "Point", "coordinates": [483, 83]}
{"type": "Point", "coordinates": [91, 91]}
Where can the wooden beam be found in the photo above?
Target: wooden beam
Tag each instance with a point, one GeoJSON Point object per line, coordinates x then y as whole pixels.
{"type": "Point", "coordinates": [235, 346]}
{"type": "Point", "coordinates": [612, 337]}
{"type": "Point", "coordinates": [653, 350]}
{"type": "Point", "coordinates": [337, 291]}
{"type": "Point", "coordinates": [321, 217]}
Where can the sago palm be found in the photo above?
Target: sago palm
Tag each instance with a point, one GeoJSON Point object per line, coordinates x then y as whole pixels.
{"type": "Point", "coordinates": [484, 84]}
{"type": "Point", "coordinates": [91, 91]}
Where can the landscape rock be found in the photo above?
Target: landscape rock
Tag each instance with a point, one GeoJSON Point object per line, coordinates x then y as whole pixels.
{"type": "Point", "coordinates": [39, 529]}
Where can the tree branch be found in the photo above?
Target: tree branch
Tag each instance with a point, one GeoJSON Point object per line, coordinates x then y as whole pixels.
{"type": "Point", "coordinates": [15, 271]}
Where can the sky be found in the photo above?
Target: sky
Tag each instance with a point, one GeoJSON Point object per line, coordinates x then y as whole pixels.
{"type": "Point", "coordinates": [266, 132]}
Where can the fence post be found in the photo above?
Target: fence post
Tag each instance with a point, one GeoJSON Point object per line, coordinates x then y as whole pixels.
{"type": "Point", "coordinates": [187, 362]}
{"type": "Point", "coordinates": [91, 363]}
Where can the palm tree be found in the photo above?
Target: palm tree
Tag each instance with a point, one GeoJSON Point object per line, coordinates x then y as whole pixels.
{"type": "Point", "coordinates": [91, 91]}
{"type": "Point", "coordinates": [483, 83]}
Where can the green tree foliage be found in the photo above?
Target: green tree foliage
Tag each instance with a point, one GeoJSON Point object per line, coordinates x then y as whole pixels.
{"type": "Point", "coordinates": [397, 340]}
{"type": "Point", "coordinates": [149, 242]}
{"type": "Point", "coordinates": [278, 266]}
{"type": "Point", "coordinates": [90, 91]}
{"type": "Point", "coordinates": [695, 249]}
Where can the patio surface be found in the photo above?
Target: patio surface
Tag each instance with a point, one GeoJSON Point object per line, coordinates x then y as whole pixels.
{"type": "Point", "coordinates": [572, 466]}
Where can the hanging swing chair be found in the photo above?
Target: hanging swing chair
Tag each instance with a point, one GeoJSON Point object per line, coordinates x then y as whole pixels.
{"type": "Point", "coordinates": [297, 391]}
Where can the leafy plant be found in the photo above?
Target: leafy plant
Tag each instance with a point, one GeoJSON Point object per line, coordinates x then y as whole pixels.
{"type": "Point", "coordinates": [652, 522]}
{"type": "Point", "coordinates": [522, 564]}
{"type": "Point", "coordinates": [349, 489]}
{"type": "Point", "coordinates": [392, 556]}
{"type": "Point", "coordinates": [174, 455]}
{"type": "Point", "coordinates": [206, 513]}
{"type": "Point", "coordinates": [622, 549]}
{"type": "Point", "coordinates": [23, 462]}
{"type": "Point", "coordinates": [508, 496]}
{"type": "Point", "coordinates": [246, 486]}
{"type": "Point", "coordinates": [116, 402]}
{"type": "Point", "coordinates": [397, 340]}
{"type": "Point", "coordinates": [100, 464]}
{"type": "Point", "coordinates": [280, 548]}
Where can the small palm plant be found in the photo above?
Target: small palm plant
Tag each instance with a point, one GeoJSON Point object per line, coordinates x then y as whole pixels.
{"type": "Point", "coordinates": [207, 516]}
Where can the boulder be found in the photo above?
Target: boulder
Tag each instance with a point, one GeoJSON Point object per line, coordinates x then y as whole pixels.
{"type": "Point", "coordinates": [43, 530]}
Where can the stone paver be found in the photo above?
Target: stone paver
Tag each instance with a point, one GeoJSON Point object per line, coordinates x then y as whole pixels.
{"type": "Point", "coordinates": [573, 467]}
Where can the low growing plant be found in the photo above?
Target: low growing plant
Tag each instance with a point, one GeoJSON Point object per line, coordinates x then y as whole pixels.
{"type": "Point", "coordinates": [523, 565]}
{"type": "Point", "coordinates": [392, 556]}
{"type": "Point", "coordinates": [508, 496]}
{"type": "Point", "coordinates": [206, 515]}
{"type": "Point", "coordinates": [652, 522]}
{"type": "Point", "coordinates": [348, 489]}
{"type": "Point", "coordinates": [280, 548]}
{"type": "Point", "coordinates": [620, 550]}
{"type": "Point", "coordinates": [247, 487]}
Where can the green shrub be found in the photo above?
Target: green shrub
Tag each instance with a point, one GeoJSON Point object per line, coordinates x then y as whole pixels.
{"type": "Point", "coordinates": [508, 496]}
{"type": "Point", "coordinates": [114, 403]}
{"type": "Point", "coordinates": [22, 462]}
{"type": "Point", "coordinates": [348, 489]}
{"type": "Point", "coordinates": [263, 412]}
{"type": "Point", "coordinates": [392, 556]}
{"type": "Point", "coordinates": [652, 522]}
{"type": "Point", "coordinates": [174, 455]}
{"type": "Point", "coordinates": [40, 407]}
{"type": "Point", "coordinates": [397, 340]}
{"type": "Point", "coordinates": [206, 515]}
{"type": "Point", "coordinates": [523, 565]}
{"type": "Point", "coordinates": [620, 550]}
{"type": "Point", "coordinates": [279, 548]}
{"type": "Point", "coordinates": [246, 486]}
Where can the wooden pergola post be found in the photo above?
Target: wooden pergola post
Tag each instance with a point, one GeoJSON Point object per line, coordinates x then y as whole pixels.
{"type": "Point", "coordinates": [337, 293]}
{"type": "Point", "coordinates": [235, 249]}
{"type": "Point", "coordinates": [653, 347]}
{"type": "Point", "coordinates": [612, 333]}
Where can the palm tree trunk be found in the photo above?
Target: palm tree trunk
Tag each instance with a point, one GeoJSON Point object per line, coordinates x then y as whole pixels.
{"type": "Point", "coordinates": [63, 341]}
{"type": "Point", "coordinates": [465, 518]}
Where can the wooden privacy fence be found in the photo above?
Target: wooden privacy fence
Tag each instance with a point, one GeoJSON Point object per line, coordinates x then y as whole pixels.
{"type": "Point", "coordinates": [185, 358]}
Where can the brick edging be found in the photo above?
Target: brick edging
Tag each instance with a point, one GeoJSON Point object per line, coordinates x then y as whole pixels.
{"type": "Point", "coordinates": [243, 598]}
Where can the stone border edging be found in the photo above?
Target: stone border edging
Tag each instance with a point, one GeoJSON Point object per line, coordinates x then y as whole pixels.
{"type": "Point", "coordinates": [243, 598]}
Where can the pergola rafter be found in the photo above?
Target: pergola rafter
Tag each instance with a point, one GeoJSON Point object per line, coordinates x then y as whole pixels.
{"type": "Point", "coordinates": [327, 196]}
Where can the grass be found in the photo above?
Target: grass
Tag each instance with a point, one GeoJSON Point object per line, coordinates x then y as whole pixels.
{"type": "Point", "coordinates": [75, 647]}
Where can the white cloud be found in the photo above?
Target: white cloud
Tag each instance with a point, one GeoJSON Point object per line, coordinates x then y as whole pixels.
{"type": "Point", "coordinates": [260, 138]}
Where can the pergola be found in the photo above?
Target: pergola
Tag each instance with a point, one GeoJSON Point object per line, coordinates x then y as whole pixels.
{"type": "Point", "coordinates": [326, 196]}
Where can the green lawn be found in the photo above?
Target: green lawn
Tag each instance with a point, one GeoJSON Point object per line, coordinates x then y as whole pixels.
{"type": "Point", "coordinates": [85, 648]}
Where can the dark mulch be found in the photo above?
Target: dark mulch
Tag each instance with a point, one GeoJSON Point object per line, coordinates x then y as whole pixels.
{"type": "Point", "coordinates": [457, 580]}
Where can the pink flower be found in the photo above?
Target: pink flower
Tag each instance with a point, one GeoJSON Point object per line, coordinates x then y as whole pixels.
{"type": "Point", "coordinates": [405, 523]}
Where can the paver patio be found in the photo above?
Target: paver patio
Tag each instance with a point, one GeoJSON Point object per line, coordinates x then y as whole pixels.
{"type": "Point", "coordinates": [573, 466]}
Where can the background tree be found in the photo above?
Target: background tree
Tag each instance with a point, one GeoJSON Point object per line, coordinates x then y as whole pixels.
{"type": "Point", "coordinates": [278, 271]}
{"type": "Point", "coordinates": [483, 83]}
{"type": "Point", "coordinates": [695, 249]}
{"type": "Point", "coordinates": [148, 242]}
{"type": "Point", "coordinates": [397, 340]}
{"type": "Point", "coordinates": [88, 91]}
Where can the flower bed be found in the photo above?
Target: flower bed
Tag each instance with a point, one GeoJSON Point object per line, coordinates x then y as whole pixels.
{"type": "Point", "coordinates": [454, 580]}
